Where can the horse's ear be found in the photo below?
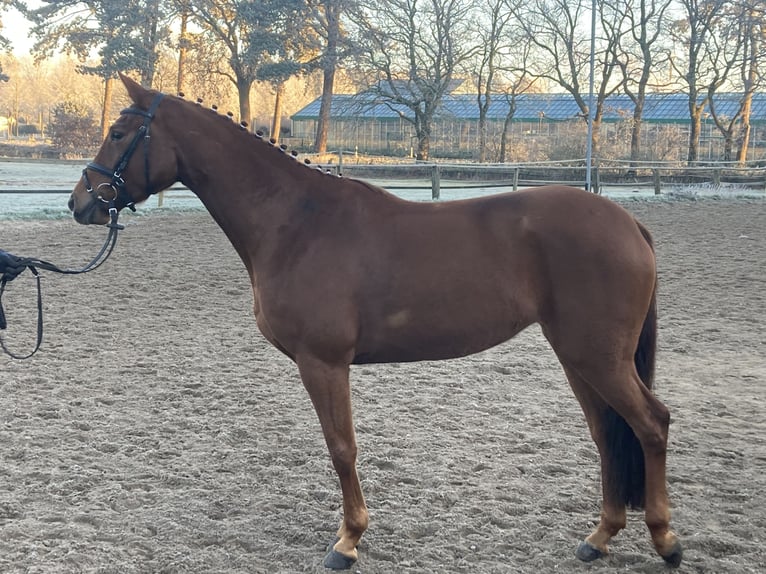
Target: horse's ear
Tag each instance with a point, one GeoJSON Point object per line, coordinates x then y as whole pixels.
{"type": "Point", "coordinates": [136, 91]}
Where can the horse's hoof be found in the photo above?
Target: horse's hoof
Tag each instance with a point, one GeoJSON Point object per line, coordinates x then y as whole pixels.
{"type": "Point", "coordinates": [676, 555]}
{"type": "Point", "coordinates": [587, 552]}
{"type": "Point", "coordinates": [332, 544]}
{"type": "Point", "coordinates": [337, 561]}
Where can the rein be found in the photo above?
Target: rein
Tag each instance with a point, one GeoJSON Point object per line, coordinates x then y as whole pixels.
{"type": "Point", "coordinates": [11, 266]}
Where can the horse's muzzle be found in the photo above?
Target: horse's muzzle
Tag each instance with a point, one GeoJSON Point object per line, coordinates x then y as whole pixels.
{"type": "Point", "coordinates": [88, 214]}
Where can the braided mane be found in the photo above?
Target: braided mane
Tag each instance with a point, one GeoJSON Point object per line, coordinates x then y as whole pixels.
{"type": "Point", "coordinates": [243, 128]}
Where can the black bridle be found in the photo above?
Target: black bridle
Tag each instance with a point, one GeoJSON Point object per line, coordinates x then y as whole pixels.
{"type": "Point", "coordinates": [120, 196]}
{"type": "Point", "coordinates": [12, 266]}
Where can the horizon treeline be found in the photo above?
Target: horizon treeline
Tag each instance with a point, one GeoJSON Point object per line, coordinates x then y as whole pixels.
{"type": "Point", "coordinates": [267, 59]}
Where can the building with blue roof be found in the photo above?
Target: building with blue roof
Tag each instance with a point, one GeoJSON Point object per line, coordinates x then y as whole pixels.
{"type": "Point", "coordinates": [542, 127]}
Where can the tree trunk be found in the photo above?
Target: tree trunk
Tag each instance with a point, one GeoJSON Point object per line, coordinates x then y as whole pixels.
{"type": "Point", "coordinates": [183, 49]}
{"type": "Point", "coordinates": [323, 123]}
{"type": "Point", "coordinates": [695, 128]}
{"type": "Point", "coordinates": [484, 101]}
{"type": "Point", "coordinates": [635, 132]}
{"type": "Point", "coordinates": [332, 11]}
{"type": "Point", "coordinates": [728, 146]}
{"type": "Point", "coordinates": [744, 141]}
{"type": "Point", "coordinates": [747, 104]}
{"type": "Point", "coordinates": [504, 138]}
{"type": "Point", "coordinates": [423, 135]}
{"type": "Point", "coordinates": [482, 136]}
{"type": "Point", "coordinates": [106, 108]}
{"type": "Point", "coordinates": [424, 147]}
{"type": "Point", "coordinates": [243, 93]}
{"type": "Point", "coordinates": [276, 122]}
{"type": "Point", "coordinates": [507, 128]}
{"type": "Point", "coordinates": [150, 43]}
{"type": "Point", "coordinates": [596, 135]}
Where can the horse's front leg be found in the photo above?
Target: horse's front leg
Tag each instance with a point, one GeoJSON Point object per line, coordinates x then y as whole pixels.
{"type": "Point", "coordinates": [328, 388]}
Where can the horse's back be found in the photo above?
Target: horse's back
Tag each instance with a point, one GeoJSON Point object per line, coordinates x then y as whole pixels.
{"type": "Point", "coordinates": [455, 278]}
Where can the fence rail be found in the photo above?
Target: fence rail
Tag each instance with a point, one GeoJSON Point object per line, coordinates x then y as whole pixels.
{"type": "Point", "coordinates": [637, 176]}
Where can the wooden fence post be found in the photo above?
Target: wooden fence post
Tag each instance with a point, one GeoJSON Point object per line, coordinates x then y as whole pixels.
{"type": "Point", "coordinates": [516, 179]}
{"type": "Point", "coordinates": [657, 181]}
{"type": "Point", "coordinates": [596, 181]}
{"type": "Point", "coordinates": [435, 182]}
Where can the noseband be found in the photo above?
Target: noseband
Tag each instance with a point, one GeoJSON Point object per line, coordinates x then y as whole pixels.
{"type": "Point", "coordinates": [117, 183]}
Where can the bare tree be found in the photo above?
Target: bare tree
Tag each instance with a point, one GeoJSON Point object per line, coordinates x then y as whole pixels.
{"type": "Point", "coordinates": [641, 50]}
{"type": "Point", "coordinates": [695, 32]}
{"type": "Point", "coordinates": [412, 51]}
{"type": "Point", "coordinates": [494, 40]}
{"type": "Point", "coordinates": [35, 94]}
{"type": "Point", "coordinates": [516, 79]}
{"type": "Point", "coordinates": [563, 50]}
{"type": "Point", "coordinates": [752, 30]}
{"type": "Point", "coordinates": [730, 43]}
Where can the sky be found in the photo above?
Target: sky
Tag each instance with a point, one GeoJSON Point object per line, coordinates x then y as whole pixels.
{"type": "Point", "coordinates": [16, 29]}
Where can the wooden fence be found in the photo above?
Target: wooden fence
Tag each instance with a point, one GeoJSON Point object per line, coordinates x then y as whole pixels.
{"type": "Point", "coordinates": [651, 178]}
{"type": "Point", "coordinates": [647, 177]}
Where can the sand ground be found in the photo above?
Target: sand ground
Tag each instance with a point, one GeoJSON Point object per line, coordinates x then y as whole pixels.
{"type": "Point", "coordinates": [157, 431]}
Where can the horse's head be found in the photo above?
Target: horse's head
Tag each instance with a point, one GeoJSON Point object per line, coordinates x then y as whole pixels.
{"type": "Point", "coordinates": [135, 161]}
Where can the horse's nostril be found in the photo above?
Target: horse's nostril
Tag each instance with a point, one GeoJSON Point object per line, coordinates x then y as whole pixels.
{"type": "Point", "coordinates": [70, 204]}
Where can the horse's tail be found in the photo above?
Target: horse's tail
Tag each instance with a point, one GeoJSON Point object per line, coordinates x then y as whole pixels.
{"type": "Point", "coordinates": [644, 356]}
{"type": "Point", "coordinates": [624, 450]}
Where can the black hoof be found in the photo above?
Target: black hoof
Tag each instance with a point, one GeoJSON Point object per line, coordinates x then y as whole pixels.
{"type": "Point", "coordinates": [332, 545]}
{"type": "Point", "coordinates": [588, 553]}
{"type": "Point", "coordinates": [674, 558]}
{"type": "Point", "coordinates": [337, 561]}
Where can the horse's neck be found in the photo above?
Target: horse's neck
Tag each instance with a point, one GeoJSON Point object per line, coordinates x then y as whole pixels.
{"type": "Point", "coordinates": [248, 186]}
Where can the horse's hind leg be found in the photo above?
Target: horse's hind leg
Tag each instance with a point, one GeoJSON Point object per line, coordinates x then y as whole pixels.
{"type": "Point", "coordinates": [328, 388]}
{"type": "Point", "coordinates": [631, 431]}
{"type": "Point", "coordinates": [613, 515]}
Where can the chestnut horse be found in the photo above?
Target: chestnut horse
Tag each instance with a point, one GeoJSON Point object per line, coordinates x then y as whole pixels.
{"type": "Point", "coordinates": [345, 273]}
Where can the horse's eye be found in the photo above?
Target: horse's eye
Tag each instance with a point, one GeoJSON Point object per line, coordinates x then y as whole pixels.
{"type": "Point", "coordinates": [116, 136]}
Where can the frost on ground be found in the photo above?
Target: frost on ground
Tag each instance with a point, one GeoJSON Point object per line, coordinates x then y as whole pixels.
{"type": "Point", "coordinates": [156, 431]}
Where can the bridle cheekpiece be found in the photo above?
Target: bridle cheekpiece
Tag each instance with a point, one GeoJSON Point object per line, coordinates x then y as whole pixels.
{"type": "Point", "coordinates": [117, 183]}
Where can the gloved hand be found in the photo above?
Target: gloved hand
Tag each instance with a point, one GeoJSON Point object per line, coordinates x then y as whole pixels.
{"type": "Point", "coordinates": [11, 266]}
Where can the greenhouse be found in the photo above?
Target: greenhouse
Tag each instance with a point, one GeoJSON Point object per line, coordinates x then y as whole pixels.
{"type": "Point", "coordinates": [542, 126]}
